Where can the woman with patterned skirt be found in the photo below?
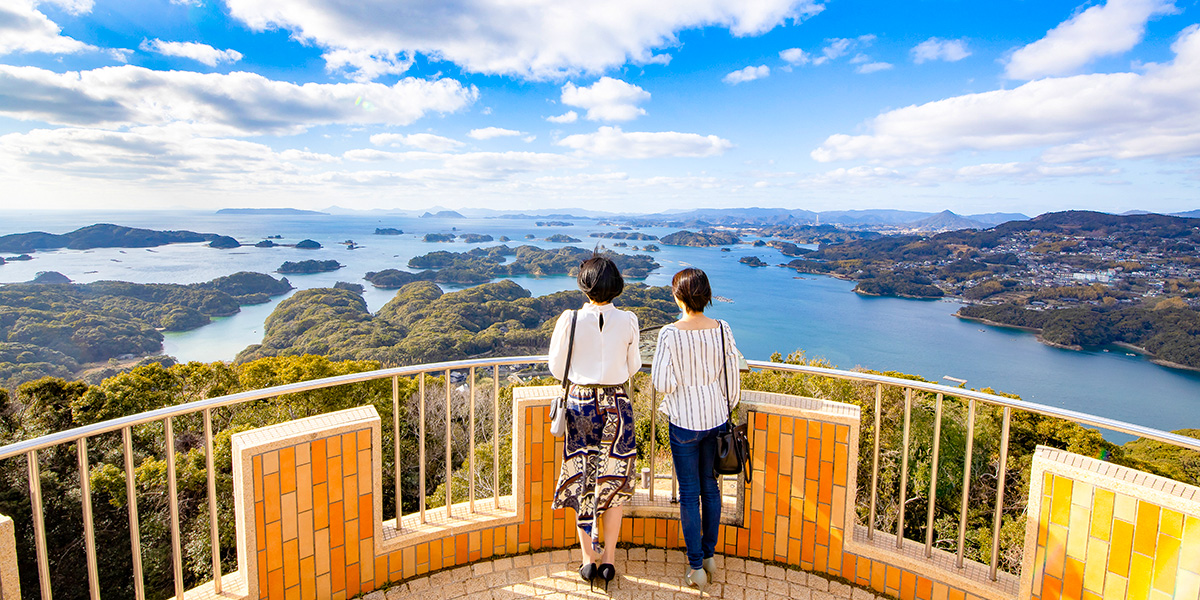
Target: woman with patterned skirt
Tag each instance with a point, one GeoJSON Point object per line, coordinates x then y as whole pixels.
{"type": "Point", "coordinates": [598, 460]}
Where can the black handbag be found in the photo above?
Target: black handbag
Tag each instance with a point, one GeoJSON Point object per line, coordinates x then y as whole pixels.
{"type": "Point", "coordinates": [733, 446]}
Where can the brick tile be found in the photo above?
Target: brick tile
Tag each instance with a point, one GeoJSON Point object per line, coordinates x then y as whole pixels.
{"type": "Point", "coordinates": [1146, 534]}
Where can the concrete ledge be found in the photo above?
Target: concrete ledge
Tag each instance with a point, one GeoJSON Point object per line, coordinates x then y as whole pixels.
{"type": "Point", "coordinates": [10, 581]}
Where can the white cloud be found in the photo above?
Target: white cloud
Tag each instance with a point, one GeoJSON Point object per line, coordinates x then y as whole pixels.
{"type": "Point", "coordinates": [365, 65]}
{"type": "Point", "coordinates": [488, 133]}
{"type": "Point", "coordinates": [238, 103]}
{"type": "Point", "coordinates": [25, 29]}
{"type": "Point", "coordinates": [747, 74]}
{"type": "Point", "coordinates": [611, 142]}
{"type": "Point", "coordinates": [838, 47]}
{"type": "Point", "coordinates": [421, 141]}
{"type": "Point", "coordinates": [795, 56]}
{"type": "Point", "coordinates": [938, 49]}
{"type": "Point", "coordinates": [607, 100]}
{"type": "Point", "coordinates": [568, 117]}
{"type": "Point", "coordinates": [534, 38]}
{"type": "Point", "coordinates": [202, 53]}
{"type": "Point", "coordinates": [1115, 115]}
{"type": "Point", "coordinates": [867, 68]}
{"type": "Point", "coordinates": [1101, 30]}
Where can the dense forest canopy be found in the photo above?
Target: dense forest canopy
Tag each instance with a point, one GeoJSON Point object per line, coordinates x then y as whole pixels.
{"type": "Point", "coordinates": [424, 324]}
{"type": "Point", "coordinates": [53, 329]}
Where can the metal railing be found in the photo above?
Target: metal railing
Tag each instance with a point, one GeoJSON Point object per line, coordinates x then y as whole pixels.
{"type": "Point", "coordinates": [80, 436]}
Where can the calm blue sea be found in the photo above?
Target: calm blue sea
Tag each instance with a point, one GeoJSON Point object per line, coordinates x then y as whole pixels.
{"type": "Point", "coordinates": [773, 309]}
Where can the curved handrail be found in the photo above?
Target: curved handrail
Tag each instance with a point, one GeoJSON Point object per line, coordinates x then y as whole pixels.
{"type": "Point", "coordinates": [1001, 401]}
{"type": "Point", "coordinates": [71, 435]}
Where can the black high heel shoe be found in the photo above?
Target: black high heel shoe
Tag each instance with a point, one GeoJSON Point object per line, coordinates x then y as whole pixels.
{"type": "Point", "coordinates": [607, 572]}
{"type": "Point", "coordinates": [588, 573]}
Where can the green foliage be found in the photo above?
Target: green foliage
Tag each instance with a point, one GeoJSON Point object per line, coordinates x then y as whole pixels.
{"type": "Point", "coordinates": [1171, 333]}
{"type": "Point", "coordinates": [423, 324]}
{"type": "Point", "coordinates": [310, 266]}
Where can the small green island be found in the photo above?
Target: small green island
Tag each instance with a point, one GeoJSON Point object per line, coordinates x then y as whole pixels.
{"type": "Point", "coordinates": [104, 235]}
{"type": "Point", "coordinates": [388, 231]}
{"type": "Point", "coordinates": [699, 239]}
{"type": "Point", "coordinates": [752, 261]}
{"type": "Point", "coordinates": [439, 237]}
{"type": "Point", "coordinates": [309, 266]}
{"type": "Point", "coordinates": [559, 238]}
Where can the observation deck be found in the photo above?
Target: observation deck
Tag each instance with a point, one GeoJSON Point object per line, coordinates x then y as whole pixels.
{"type": "Point", "coordinates": [435, 481]}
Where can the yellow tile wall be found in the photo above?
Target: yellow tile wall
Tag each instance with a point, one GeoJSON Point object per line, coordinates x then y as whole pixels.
{"type": "Point", "coordinates": [1098, 536]}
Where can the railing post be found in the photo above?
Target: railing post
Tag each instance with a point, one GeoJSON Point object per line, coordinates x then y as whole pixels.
{"type": "Point", "coordinates": [396, 446]}
{"type": "Point", "coordinates": [449, 471]}
{"type": "Point", "coordinates": [966, 486]}
{"type": "Point", "coordinates": [421, 462]}
{"type": "Point", "coordinates": [933, 476]}
{"type": "Point", "coordinates": [213, 531]}
{"type": "Point", "coordinates": [875, 462]}
{"type": "Point", "coordinates": [135, 533]}
{"type": "Point", "coordinates": [471, 444]}
{"type": "Point", "coordinates": [904, 469]}
{"type": "Point", "coordinates": [39, 523]}
{"type": "Point", "coordinates": [496, 435]}
{"type": "Point", "coordinates": [89, 529]}
{"type": "Point", "coordinates": [173, 498]}
{"type": "Point", "coordinates": [1000, 480]}
{"type": "Point", "coordinates": [653, 442]}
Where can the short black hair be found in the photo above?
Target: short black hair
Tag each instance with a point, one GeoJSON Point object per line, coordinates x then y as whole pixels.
{"type": "Point", "coordinates": [600, 279]}
{"type": "Point", "coordinates": [691, 287]}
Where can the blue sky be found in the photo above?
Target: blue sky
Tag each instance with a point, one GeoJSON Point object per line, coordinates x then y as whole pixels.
{"type": "Point", "coordinates": [625, 105]}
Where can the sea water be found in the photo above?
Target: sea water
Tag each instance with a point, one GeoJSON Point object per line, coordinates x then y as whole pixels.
{"type": "Point", "coordinates": [773, 309]}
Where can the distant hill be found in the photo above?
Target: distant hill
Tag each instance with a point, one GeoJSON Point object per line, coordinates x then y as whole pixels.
{"type": "Point", "coordinates": [101, 235]}
{"type": "Point", "coordinates": [997, 218]}
{"type": "Point", "coordinates": [946, 221]}
{"type": "Point", "coordinates": [268, 211]}
{"type": "Point", "coordinates": [1191, 214]}
{"type": "Point", "coordinates": [442, 214]}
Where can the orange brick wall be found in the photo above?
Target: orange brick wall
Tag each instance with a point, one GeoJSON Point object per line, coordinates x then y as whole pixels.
{"type": "Point", "coordinates": [1101, 531]}
{"type": "Point", "coordinates": [313, 514]}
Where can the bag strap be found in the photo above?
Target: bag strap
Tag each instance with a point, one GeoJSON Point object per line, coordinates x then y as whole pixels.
{"type": "Point", "coordinates": [570, 350]}
{"type": "Point", "coordinates": [724, 370]}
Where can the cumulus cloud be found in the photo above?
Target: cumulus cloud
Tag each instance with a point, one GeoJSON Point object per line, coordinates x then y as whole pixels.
{"type": "Point", "coordinates": [421, 141]}
{"type": "Point", "coordinates": [938, 49]}
{"type": "Point", "coordinates": [202, 53]}
{"type": "Point", "coordinates": [607, 100]}
{"type": "Point", "coordinates": [488, 133]}
{"type": "Point", "coordinates": [1101, 30]}
{"type": "Point", "coordinates": [237, 103]}
{"type": "Point", "coordinates": [747, 74]}
{"type": "Point", "coordinates": [365, 65]}
{"type": "Point", "coordinates": [795, 56]}
{"type": "Point", "coordinates": [611, 142]}
{"type": "Point", "coordinates": [1114, 115]}
{"type": "Point", "coordinates": [534, 39]}
{"type": "Point", "coordinates": [568, 117]}
{"type": "Point", "coordinates": [25, 29]}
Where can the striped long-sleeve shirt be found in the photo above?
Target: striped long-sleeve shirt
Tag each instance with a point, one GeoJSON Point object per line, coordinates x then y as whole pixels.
{"type": "Point", "coordinates": [687, 369]}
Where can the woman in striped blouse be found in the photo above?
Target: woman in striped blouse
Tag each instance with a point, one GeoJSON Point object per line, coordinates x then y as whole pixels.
{"type": "Point", "coordinates": [696, 369]}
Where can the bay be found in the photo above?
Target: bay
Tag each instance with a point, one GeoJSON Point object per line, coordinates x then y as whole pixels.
{"type": "Point", "coordinates": [773, 309]}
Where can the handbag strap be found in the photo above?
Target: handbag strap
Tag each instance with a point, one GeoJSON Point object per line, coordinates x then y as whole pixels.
{"type": "Point", "coordinates": [570, 350]}
{"type": "Point", "coordinates": [724, 370]}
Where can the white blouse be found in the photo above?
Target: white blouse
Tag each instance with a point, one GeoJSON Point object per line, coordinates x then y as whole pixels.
{"type": "Point", "coordinates": [607, 356]}
{"type": "Point", "coordinates": [688, 371]}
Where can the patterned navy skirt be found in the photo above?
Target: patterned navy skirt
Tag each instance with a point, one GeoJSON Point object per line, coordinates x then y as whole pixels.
{"type": "Point", "coordinates": [599, 453]}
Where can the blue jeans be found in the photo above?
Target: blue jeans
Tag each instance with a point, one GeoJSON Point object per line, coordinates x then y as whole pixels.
{"type": "Point", "coordinates": [693, 453]}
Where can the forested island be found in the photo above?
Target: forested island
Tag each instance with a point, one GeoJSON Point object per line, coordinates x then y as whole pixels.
{"type": "Point", "coordinates": [423, 324]}
{"type": "Point", "coordinates": [484, 264]}
{"type": "Point", "coordinates": [699, 239]}
{"type": "Point", "coordinates": [57, 329]}
{"type": "Point", "coordinates": [388, 231]}
{"type": "Point", "coordinates": [102, 235]}
{"type": "Point", "coordinates": [439, 237]}
{"type": "Point", "coordinates": [559, 238]}
{"type": "Point", "coordinates": [309, 266]}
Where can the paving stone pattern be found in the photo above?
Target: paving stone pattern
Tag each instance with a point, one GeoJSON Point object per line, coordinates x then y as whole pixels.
{"type": "Point", "coordinates": [642, 574]}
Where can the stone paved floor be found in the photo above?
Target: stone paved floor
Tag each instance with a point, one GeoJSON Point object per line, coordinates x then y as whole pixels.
{"type": "Point", "coordinates": [642, 574]}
